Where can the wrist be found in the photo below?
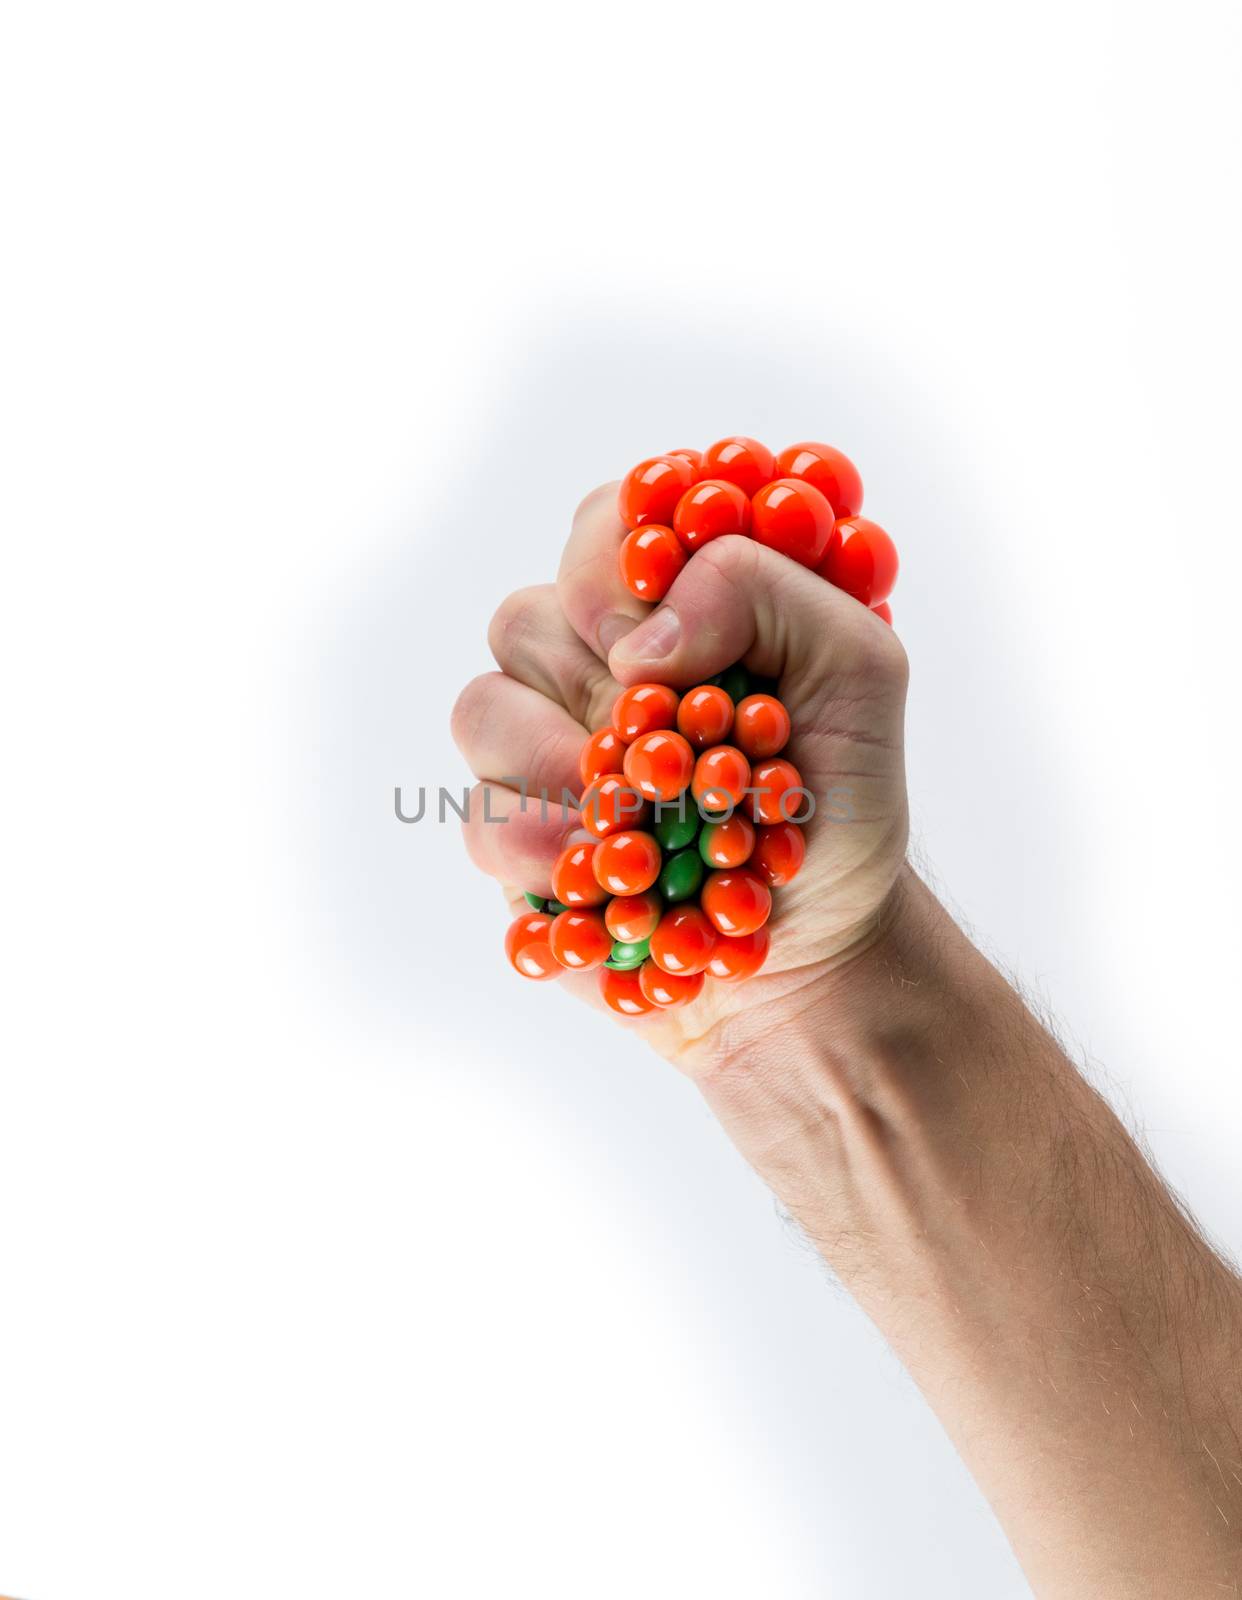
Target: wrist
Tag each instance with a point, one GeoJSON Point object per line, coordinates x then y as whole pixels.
{"type": "Point", "coordinates": [867, 1092]}
{"type": "Point", "coordinates": [854, 1003]}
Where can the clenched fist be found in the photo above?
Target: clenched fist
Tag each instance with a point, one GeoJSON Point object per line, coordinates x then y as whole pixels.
{"type": "Point", "coordinates": [564, 652]}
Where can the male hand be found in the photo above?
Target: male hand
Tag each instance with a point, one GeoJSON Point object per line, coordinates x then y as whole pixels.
{"type": "Point", "coordinates": [564, 653]}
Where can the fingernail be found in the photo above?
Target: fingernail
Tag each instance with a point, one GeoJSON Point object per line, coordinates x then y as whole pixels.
{"type": "Point", "coordinates": [655, 638]}
{"type": "Point", "coordinates": [612, 628]}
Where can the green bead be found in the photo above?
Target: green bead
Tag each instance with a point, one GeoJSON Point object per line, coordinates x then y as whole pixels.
{"type": "Point", "coordinates": [681, 875]}
{"type": "Point", "coordinates": [735, 682]}
{"type": "Point", "coordinates": [554, 908]}
{"type": "Point", "coordinates": [631, 954]}
{"type": "Point", "coordinates": [535, 901]}
{"type": "Point", "coordinates": [676, 825]}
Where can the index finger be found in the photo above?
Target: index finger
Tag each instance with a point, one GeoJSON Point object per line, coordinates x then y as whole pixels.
{"type": "Point", "coordinates": [599, 606]}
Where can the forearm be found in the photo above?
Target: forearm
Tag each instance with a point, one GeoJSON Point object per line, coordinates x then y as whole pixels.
{"type": "Point", "coordinates": [1080, 1342]}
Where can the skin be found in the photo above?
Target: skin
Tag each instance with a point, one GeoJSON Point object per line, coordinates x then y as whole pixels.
{"type": "Point", "coordinates": [1078, 1338]}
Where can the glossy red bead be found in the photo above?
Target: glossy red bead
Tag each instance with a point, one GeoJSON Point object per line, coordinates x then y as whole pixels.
{"type": "Point", "coordinates": [694, 457]}
{"type": "Point", "coordinates": [683, 941]}
{"type": "Point", "coordinates": [884, 611]}
{"type": "Point", "coordinates": [573, 877]}
{"type": "Point", "coordinates": [780, 850]}
{"type": "Point", "coordinates": [833, 474]}
{"type": "Point", "coordinates": [644, 708]}
{"type": "Point", "coordinates": [793, 517]}
{"type": "Point", "coordinates": [626, 863]}
{"type": "Point", "coordinates": [861, 559]}
{"type": "Point", "coordinates": [772, 798]}
{"type": "Point", "coordinates": [710, 510]}
{"type": "Point", "coordinates": [741, 461]}
{"type": "Point", "coordinates": [604, 752]}
{"type": "Point", "coordinates": [580, 940]}
{"type": "Point", "coordinates": [622, 993]}
{"type": "Point", "coordinates": [659, 765]}
{"type": "Point", "coordinates": [667, 989]}
{"type": "Point", "coordinates": [610, 804]}
{"type": "Point", "coordinates": [741, 957]}
{"type": "Point", "coordinates": [736, 902]}
{"type": "Point", "coordinates": [650, 558]}
{"type": "Point", "coordinates": [705, 715]}
{"type": "Point", "coordinates": [721, 776]}
{"type": "Point", "coordinates": [761, 726]}
{"type": "Point", "coordinates": [527, 947]}
{"type": "Point", "coordinates": [633, 917]}
{"type": "Point", "coordinates": [650, 491]}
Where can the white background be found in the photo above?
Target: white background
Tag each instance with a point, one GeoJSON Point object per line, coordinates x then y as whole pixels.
{"type": "Point", "coordinates": [333, 1260]}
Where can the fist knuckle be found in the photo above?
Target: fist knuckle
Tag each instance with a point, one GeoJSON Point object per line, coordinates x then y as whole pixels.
{"type": "Point", "coordinates": [730, 562]}
{"type": "Point", "coordinates": [888, 659]}
{"type": "Point", "coordinates": [604, 496]}
{"type": "Point", "coordinates": [548, 754]}
{"type": "Point", "coordinates": [573, 594]}
{"type": "Point", "coordinates": [733, 556]}
{"type": "Point", "coordinates": [472, 707]}
{"type": "Point", "coordinates": [515, 619]}
{"type": "Point", "coordinates": [868, 651]}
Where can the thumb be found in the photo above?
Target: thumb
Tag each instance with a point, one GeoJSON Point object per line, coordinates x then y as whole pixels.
{"type": "Point", "coordinates": [736, 600]}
